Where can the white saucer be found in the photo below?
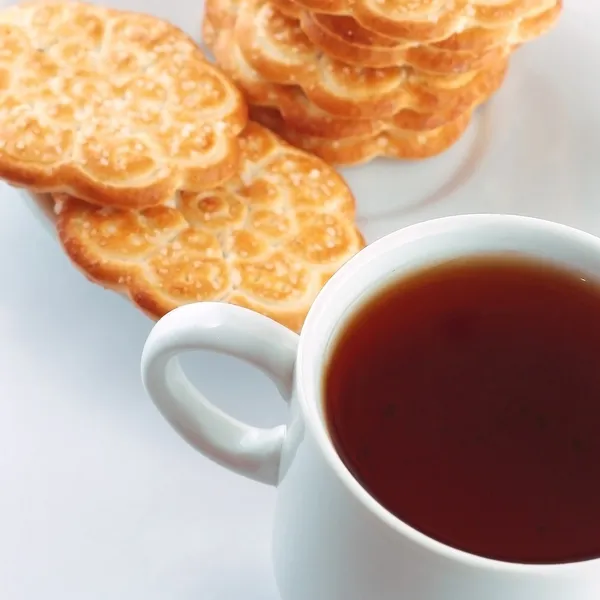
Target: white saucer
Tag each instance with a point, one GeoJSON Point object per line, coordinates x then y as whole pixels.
{"type": "Point", "coordinates": [532, 150]}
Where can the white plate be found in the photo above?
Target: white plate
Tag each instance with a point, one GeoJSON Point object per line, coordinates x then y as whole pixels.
{"type": "Point", "coordinates": [99, 500]}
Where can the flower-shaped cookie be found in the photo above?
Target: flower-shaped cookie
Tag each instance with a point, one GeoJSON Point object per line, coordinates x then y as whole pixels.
{"type": "Point", "coordinates": [268, 239]}
{"type": "Point", "coordinates": [115, 107]}
{"type": "Point", "coordinates": [426, 21]}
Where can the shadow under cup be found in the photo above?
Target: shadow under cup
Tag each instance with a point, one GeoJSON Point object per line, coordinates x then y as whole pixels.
{"type": "Point", "coordinates": [462, 391]}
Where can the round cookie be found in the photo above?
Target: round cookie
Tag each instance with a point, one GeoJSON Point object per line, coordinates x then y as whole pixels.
{"type": "Point", "coordinates": [268, 239]}
{"type": "Point", "coordinates": [392, 142]}
{"type": "Point", "coordinates": [115, 107]}
{"type": "Point", "coordinates": [452, 97]}
{"type": "Point", "coordinates": [336, 104]}
{"type": "Point", "coordinates": [427, 21]}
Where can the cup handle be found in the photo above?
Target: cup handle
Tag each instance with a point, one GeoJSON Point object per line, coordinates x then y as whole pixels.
{"type": "Point", "coordinates": [232, 330]}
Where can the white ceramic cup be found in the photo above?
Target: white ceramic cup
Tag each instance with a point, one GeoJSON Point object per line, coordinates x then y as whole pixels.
{"type": "Point", "coordinates": [332, 540]}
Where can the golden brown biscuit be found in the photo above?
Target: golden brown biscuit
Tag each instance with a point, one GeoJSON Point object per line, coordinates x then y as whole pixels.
{"type": "Point", "coordinates": [114, 107]}
{"type": "Point", "coordinates": [394, 143]}
{"type": "Point", "coordinates": [343, 38]}
{"type": "Point", "coordinates": [426, 21]}
{"type": "Point", "coordinates": [306, 118]}
{"type": "Point", "coordinates": [276, 46]}
{"type": "Point", "coordinates": [267, 240]}
{"type": "Point", "coordinates": [420, 102]}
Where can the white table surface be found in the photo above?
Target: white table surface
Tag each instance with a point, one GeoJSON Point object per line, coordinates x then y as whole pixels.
{"type": "Point", "coordinates": [99, 498]}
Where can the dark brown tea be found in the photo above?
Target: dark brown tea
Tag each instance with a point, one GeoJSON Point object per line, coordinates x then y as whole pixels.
{"type": "Point", "coordinates": [466, 400]}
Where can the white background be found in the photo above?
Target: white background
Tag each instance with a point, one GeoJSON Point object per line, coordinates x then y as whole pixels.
{"type": "Point", "coordinates": [99, 499]}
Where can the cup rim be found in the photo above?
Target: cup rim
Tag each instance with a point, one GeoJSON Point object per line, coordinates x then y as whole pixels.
{"type": "Point", "coordinates": [308, 378]}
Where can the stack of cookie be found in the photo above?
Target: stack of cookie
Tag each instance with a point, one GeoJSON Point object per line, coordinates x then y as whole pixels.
{"type": "Point", "coordinates": [161, 187]}
{"type": "Point", "coordinates": [354, 79]}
